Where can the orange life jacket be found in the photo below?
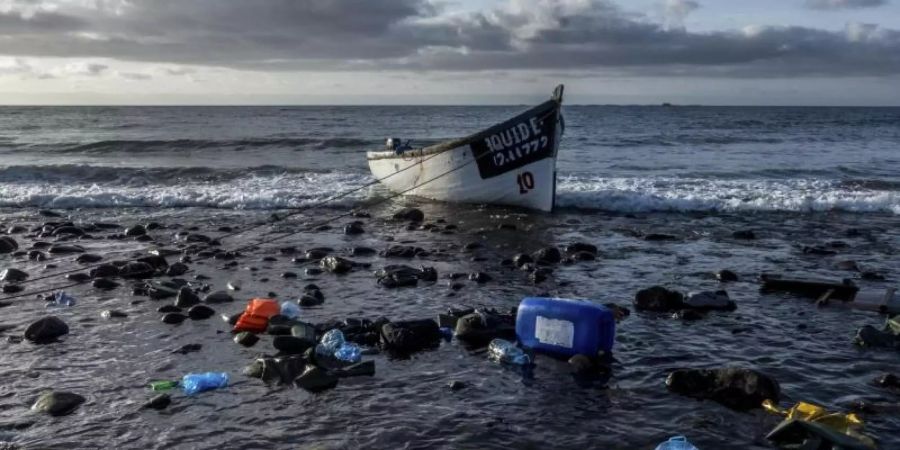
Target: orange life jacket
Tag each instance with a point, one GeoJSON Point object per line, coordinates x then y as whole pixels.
{"type": "Point", "coordinates": [255, 318]}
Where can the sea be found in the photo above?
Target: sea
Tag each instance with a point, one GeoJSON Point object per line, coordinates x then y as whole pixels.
{"type": "Point", "coordinates": [612, 158]}
{"type": "Point", "coordinates": [669, 195]}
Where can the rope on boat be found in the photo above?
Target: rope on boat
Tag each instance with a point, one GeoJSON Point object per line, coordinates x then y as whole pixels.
{"type": "Point", "coordinates": [278, 219]}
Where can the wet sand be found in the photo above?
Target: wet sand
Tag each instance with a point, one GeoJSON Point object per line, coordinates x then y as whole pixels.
{"type": "Point", "coordinates": [407, 402]}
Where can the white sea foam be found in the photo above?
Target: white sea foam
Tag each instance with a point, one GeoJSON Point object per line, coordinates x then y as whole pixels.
{"type": "Point", "coordinates": [693, 194]}
{"type": "Point", "coordinates": [251, 192]}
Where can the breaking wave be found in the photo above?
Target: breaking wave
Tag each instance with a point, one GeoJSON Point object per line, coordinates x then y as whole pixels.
{"type": "Point", "coordinates": [634, 195]}
{"type": "Point", "coordinates": [105, 147]}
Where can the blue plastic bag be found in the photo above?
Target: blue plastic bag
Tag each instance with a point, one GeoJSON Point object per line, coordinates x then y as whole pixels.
{"type": "Point", "coordinates": [194, 383]}
{"type": "Point", "coordinates": [676, 443]}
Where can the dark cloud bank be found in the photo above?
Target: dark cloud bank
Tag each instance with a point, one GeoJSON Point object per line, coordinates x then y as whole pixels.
{"type": "Point", "coordinates": [415, 34]}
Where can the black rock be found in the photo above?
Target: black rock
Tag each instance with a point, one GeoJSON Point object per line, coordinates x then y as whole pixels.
{"type": "Point", "coordinates": [314, 379]}
{"type": "Point", "coordinates": [726, 275]}
{"type": "Point", "coordinates": [744, 234]}
{"type": "Point", "coordinates": [16, 229]}
{"type": "Point", "coordinates": [313, 271]}
{"type": "Point", "coordinates": [581, 365]}
{"type": "Point", "coordinates": [706, 301]}
{"type": "Point", "coordinates": [292, 345]}
{"type": "Point", "coordinates": [161, 401]}
{"type": "Point", "coordinates": [186, 298]}
{"type": "Point", "coordinates": [619, 312]}
{"type": "Point", "coordinates": [79, 277]}
{"type": "Point", "coordinates": [137, 270]}
{"type": "Point", "coordinates": [103, 271]}
{"type": "Point", "coordinates": [869, 336]}
{"type": "Point", "coordinates": [137, 230]}
{"type": "Point", "coordinates": [480, 327]}
{"type": "Point", "coordinates": [46, 330]}
{"type": "Point", "coordinates": [579, 247]}
{"type": "Point", "coordinates": [309, 299]}
{"type": "Point", "coordinates": [394, 276]}
{"type": "Point", "coordinates": [57, 403]}
{"type": "Point", "coordinates": [65, 249]}
{"type": "Point", "coordinates": [282, 370]}
{"type": "Point", "coordinates": [287, 275]}
{"type": "Point", "coordinates": [168, 309]}
{"type": "Point", "coordinates": [200, 312]}
{"type": "Point", "coordinates": [13, 275]}
{"type": "Point", "coordinates": [8, 244]}
{"type": "Point", "coordinates": [88, 258]}
{"type": "Point", "coordinates": [656, 237]}
{"type": "Point", "coordinates": [218, 297]}
{"type": "Point", "coordinates": [736, 388]}
{"type": "Point", "coordinates": [362, 251]}
{"type": "Point", "coordinates": [246, 338]}
{"type": "Point", "coordinates": [156, 261]}
{"type": "Point", "coordinates": [410, 214]}
{"type": "Point", "coordinates": [410, 336]}
{"type": "Point", "coordinates": [318, 252]}
{"type": "Point", "coordinates": [188, 348]}
{"type": "Point", "coordinates": [582, 256]}
{"type": "Point", "coordinates": [521, 259]}
{"type": "Point", "coordinates": [689, 315]}
{"type": "Point", "coordinates": [480, 277]}
{"type": "Point", "coordinates": [658, 298]}
{"type": "Point", "coordinates": [11, 289]}
{"type": "Point", "coordinates": [548, 255]}
{"type": "Point", "coordinates": [401, 251]}
{"type": "Point", "coordinates": [36, 255]}
{"type": "Point", "coordinates": [354, 228]}
{"type": "Point", "coordinates": [871, 276]}
{"type": "Point", "coordinates": [539, 275]}
{"type": "Point", "coordinates": [888, 380]}
{"type": "Point", "coordinates": [104, 284]}
{"type": "Point", "coordinates": [232, 319]}
{"type": "Point", "coordinates": [177, 269]}
{"type": "Point", "coordinates": [173, 318]}
{"type": "Point", "coordinates": [159, 292]}
{"type": "Point", "coordinates": [456, 385]}
{"type": "Point", "coordinates": [335, 264]}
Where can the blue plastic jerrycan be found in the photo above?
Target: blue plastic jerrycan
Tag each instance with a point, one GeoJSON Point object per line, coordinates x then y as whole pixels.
{"type": "Point", "coordinates": [565, 327]}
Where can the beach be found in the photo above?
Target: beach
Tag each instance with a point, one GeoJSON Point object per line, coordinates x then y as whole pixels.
{"type": "Point", "coordinates": [669, 196]}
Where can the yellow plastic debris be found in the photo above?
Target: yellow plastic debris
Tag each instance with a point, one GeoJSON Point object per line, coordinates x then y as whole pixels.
{"type": "Point", "coordinates": [849, 424]}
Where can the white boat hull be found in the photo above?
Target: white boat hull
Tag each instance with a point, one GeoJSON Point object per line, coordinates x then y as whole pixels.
{"type": "Point", "coordinates": [512, 163]}
{"type": "Point", "coordinates": [531, 186]}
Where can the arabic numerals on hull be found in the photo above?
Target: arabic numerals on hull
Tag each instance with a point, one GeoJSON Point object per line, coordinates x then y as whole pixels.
{"type": "Point", "coordinates": [520, 142]}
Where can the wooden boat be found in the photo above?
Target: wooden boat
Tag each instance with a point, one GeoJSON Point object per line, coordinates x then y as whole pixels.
{"type": "Point", "coordinates": [511, 163]}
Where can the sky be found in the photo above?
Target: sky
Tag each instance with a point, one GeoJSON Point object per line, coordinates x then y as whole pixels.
{"type": "Point", "coordinates": [714, 52]}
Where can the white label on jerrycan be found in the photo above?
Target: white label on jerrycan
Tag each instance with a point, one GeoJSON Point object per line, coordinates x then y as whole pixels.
{"type": "Point", "coordinates": [554, 331]}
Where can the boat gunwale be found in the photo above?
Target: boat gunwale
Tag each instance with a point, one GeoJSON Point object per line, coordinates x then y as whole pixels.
{"type": "Point", "coordinates": [459, 142]}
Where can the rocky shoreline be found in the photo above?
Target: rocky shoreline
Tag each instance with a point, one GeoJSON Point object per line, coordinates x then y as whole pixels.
{"type": "Point", "coordinates": [145, 292]}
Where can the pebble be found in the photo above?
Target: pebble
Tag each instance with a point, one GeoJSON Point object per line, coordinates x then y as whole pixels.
{"type": "Point", "coordinates": [186, 298]}
{"type": "Point", "coordinates": [161, 401]}
{"type": "Point", "coordinates": [58, 403]}
{"type": "Point", "coordinates": [456, 385]}
{"type": "Point", "coordinates": [737, 388]}
{"type": "Point", "coordinates": [112, 313]}
{"type": "Point", "coordinates": [88, 258]}
{"type": "Point", "coordinates": [354, 228]}
{"type": "Point", "coordinates": [8, 244]}
{"type": "Point", "coordinates": [658, 298]}
{"type": "Point", "coordinates": [13, 275]}
{"type": "Point", "coordinates": [177, 269]}
{"type": "Point", "coordinates": [337, 265]}
{"type": "Point", "coordinates": [104, 284]}
{"type": "Point", "coordinates": [218, 297]}
{"type": "Point", "coordinates": [315, 379]}
{"type": "Point", "coordinates": [410, 214]}
{"type": "Point", "coordinates": [726, 275]}
{"type": "Point", "coordinates": [173, 318]}
{"type": "Point", "coordinates": [46, 330]}
{"type": "Point", "coordinates": [65, 249]}
{"type": "Point", "coordinates": [200, 312]}
{"type": "Point", "coordinates": [168, 309]}
{"type": "Point", "coordinates": [246, 338]}
{"type": "Point", "coordinates": [136, 230]}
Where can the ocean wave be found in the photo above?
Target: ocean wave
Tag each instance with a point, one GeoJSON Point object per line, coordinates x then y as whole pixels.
{"type": "Point", "coordinates": [127, 146]}
{"type": "Point", "coordinates": [250, 191]}
{"type": "Point", "coordinates": [634, 195]}
{"type": "Point", "coordinates": [74, 174]}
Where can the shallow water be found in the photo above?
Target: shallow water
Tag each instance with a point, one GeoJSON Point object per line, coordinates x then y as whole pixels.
{"type": "Point", "coordinates": [796, 176]}
{"type": "Point", "coordinates": [407, 403]}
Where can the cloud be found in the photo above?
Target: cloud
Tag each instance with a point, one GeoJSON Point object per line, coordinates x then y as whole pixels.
{"type": "Point", "coordinates": [85, 69]}
{"type": "Point", "coordinates": [134, 76]}
{"type": "Point", "coordinates": [675, 11]}
{"type": "Point", "coordinates": [288, 35]}
{"type": "Point", "coordinates": [843, 4]}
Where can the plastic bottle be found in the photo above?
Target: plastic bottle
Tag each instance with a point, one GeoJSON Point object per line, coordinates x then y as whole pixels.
{"type": "Point", "coordinates": [60, 298]}
{"type": "Point", "coordinates": [676, 443]}
{"type": "Point", "coordinates": [290, 309]}
{"type": "Point", "coordinates": [163, 385]}
{"type": "Point", "coordinates": [349, 352]}
{"type": "Point", "coordinates": [330, 343]}
{"type": "Point", "coordinates": [507, 352]}
{"type": "Point", "coordinates": [198, 382]}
